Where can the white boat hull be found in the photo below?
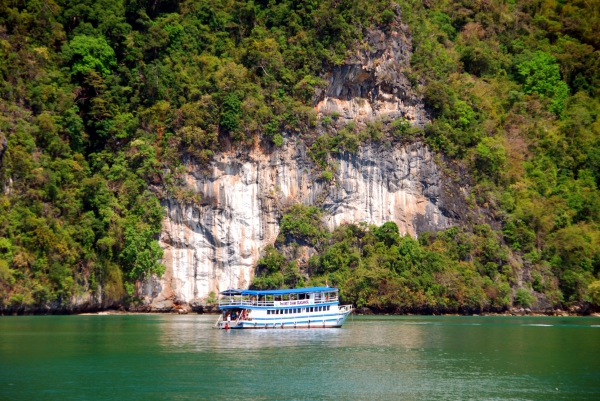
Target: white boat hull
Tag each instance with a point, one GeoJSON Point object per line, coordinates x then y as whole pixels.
{"type": "Point", "coordinates": [325, 321]}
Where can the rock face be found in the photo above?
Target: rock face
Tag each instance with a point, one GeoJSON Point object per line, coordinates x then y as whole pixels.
{"type": "Point", "coordinates": [3, 146]}
{"type": "Point", "coordinates": [372, 83]}
{"type": "Point", "coordinates": [215, 245]}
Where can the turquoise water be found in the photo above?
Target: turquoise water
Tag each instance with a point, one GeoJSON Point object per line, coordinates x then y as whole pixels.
{"type": "Point", "coordinates": [156, 357]}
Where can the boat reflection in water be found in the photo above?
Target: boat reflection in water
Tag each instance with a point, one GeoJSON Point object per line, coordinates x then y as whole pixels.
{"type": "Point", "coordinates": [313, 307]}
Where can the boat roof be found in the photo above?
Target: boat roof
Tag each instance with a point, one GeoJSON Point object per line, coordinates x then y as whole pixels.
{"type": "Point", "coordinates": [277, 292]}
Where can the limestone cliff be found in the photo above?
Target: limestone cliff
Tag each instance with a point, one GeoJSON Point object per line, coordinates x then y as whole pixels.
{"type": "Point", "coordinates": [215, 245]}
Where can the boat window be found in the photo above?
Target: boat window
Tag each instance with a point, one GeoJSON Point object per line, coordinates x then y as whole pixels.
{"type": "Point", "coordinates": [301, 296]}
{"type": "Point", "coordinates": [268, 312]}
{"type": "Point", "coordinates": [327, 307]}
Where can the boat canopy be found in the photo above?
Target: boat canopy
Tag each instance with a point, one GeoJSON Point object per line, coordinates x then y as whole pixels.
{"type": "Point", "coordinates": [231, 292]}
{"type": "Point", "coordinates": [288, 291]}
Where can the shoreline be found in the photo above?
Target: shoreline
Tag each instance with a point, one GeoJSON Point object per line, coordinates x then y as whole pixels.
{"type": "Point", "coordinates": [507, 314]}
{"type": "Point", "coordinates": [363, 311]}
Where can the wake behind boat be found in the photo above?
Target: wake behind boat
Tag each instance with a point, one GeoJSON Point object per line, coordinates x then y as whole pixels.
{"type": "Point", "coordinates": [313, 307]}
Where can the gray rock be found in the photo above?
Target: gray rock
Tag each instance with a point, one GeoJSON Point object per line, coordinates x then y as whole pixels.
{"type": "Point", "coordinates": [3, 146]}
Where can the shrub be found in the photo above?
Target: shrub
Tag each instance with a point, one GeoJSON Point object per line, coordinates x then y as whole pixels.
{"type": "Point", "coordinates": [305, 222]}
{"type": "Point", "coordinates": [278, 140]}
{"type": "Point", "coordinates": [541, 74]}
{"type": "Point", "coordinates": [400, 126]}
{"type": "Point", "coordinates": [327, 175]}
{"type": "Point", "coordinates": [524, 298]}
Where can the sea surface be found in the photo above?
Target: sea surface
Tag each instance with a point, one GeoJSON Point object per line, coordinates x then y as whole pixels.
{"type": "Point", "coordinates": [168, 357]}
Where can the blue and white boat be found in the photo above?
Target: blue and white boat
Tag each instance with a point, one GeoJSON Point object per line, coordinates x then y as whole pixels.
{"type": "Point", "coordinates": [314, 307]}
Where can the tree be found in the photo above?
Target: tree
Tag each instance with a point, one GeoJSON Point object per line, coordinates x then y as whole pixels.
{"type": "Point", "coordinates": [86, 53]}
{"type": "Point", "coordinates": [388, 233]}
{"type": "Point", "coordinates": [541, 74]}
{"type": "Point", "coordinates": [231, 112]}
{"type": "Point", "coordinates": [141, 253]}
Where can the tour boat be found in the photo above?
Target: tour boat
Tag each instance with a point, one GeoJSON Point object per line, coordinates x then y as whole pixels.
{"type": "Point", "coordinates": [314, 307]}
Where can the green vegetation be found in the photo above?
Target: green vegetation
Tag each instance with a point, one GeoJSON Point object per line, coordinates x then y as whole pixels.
{"type": "Point", "coordinates": [454, 270]}
{"type": "Point", "coordinates": [514, 90]}
{"type": "Point", "coordinates": [102, 100]}
{"type": "Point", "coordinates": [304, 222]}
{"type": "Point", "coordinates": [514, 87]}
{"type": "Point", "coordinates": [273, 271]}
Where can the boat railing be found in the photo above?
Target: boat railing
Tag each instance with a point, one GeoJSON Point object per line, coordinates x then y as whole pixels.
{"type": "Point", "coordinates": [346, 308]}
{"type": "Point", "coordinates": [249, 302]}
